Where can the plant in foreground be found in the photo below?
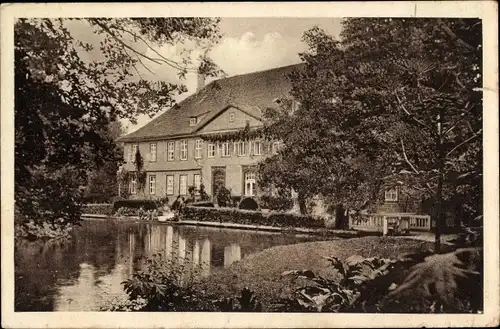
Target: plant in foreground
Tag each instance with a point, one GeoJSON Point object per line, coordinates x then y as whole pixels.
{"type": "Point", "coordinates": [419, 282]}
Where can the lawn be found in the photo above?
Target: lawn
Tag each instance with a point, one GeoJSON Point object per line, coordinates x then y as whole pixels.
{"type": "Point", "coordinates": [261, 272]}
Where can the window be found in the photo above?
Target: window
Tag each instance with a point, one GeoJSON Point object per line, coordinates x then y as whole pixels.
{"type": "Point", "coordinates": [240, 148]}
{"type": "Point", "coordinates": [231, 117]}
{"type": "Point", "coordinates": [250, 184]}
{"type": "Point", "coordinates": [257, 148]}
{"type": "Point", "coordinates": [152, 184]}
{"type": "Point", "coordinates": [224, 149]}
{"type": "Point", "coordinates": [170, 151]}
{"type": "Point", "coordinates": [184, 150]}
{"type": "Point", "coordinates": [133, 185]}
{"type": "Point", "coordinates": [197, 182]}
{"type": "Point", "coordinates": [183, 184]}
{"type": "Point", "coordinates": [135, 147]}
{"type": "Point", "coordinates": [197, 149]}
{"type": "Point", "coordinates": [275, 147]}
{"type": "Point", "coordinates": [211, 150]}
{"type": "Point", "coordinates": [170, 184]}
{"type": "Point", "coordinates": [391, 194]}
{"type": "Point", "coordinates": [193, 121]}
{"type": "Point", "coordinates": [152, 152]}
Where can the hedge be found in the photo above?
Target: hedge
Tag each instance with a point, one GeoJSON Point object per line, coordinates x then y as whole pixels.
{"type": "Point", "coordinates": [98, 209]}
{"type": "Point", "coordinates": [203, 204]}
{"type": "Point", "coordinates": [249, 217]}
{"type": "Point", "coordinates": [135, 204]}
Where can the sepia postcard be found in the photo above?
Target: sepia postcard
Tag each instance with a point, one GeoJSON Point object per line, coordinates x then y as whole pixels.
{"type": "Point", "coordinates": [250, 165]}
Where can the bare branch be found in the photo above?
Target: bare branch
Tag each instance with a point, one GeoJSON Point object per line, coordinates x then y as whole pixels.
{"type": "Point", "coordinates": [401, 105]}
{"type": "Point", "coordinates": [406, 157]}
{"type": "Point", "coordinates": [106, 29]}
{"type": "Point", "coordinates": [460, 119]}
{"type": "Point", "coordinates": [411, 165]}
{"type": "Point", "coordinates": [455, 37]}
{"type": "Point", "coordinates": [477, 134]}
{"type": "Point", "coordinates": [163, 58]}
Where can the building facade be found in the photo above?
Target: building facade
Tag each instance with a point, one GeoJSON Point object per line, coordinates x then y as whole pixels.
{"type": "Point", "coordinates": [175, 155]}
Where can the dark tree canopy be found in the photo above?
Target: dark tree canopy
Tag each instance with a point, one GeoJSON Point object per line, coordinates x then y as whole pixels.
{"type": "Point", "coordinates": [64, 104]}
{"type": "Point", "coordinates": [368, 114]}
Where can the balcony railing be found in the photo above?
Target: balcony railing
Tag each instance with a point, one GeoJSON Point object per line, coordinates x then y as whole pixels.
{"type": "Point", "coordinates": [383, 222]}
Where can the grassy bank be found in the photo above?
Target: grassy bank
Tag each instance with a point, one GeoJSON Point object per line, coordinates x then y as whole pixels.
{"type": "Point", "coordinates": [261, 272]}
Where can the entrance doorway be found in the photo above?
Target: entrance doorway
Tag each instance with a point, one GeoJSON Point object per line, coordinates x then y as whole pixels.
{"type": "Point", "coordinates": [218, 179]}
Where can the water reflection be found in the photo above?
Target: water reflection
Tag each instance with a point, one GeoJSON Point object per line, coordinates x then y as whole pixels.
{"type": "Point", "coordinates": [86, 272]}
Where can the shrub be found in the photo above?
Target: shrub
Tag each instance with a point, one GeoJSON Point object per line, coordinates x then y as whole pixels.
{"type": "Point", "coordinates": [203, 204]}
{"type": "Point", "coordinates": [278, 203]}
{"type": "Point", "coordinates": [235, 199]}
{"type": "Point", "coordinates": [240, 216]}
{"type": "Point", "coordinates": [203, 194]}
{"type": "Point", "coordinates": [136, 204]}
{"type": "Point", "coordinates": [162, 202]}
{"type": "Point", "coordinates": [223, 197]}
{"type": "Point", "coordinates": [98, 209]}
{"type": "Point", "coordinates": [248, 204]}
{"type": "Point", "coordinates": [164, 285]}
{"type": "Point", "coordinates": [124, 211]}
{"type": "Point", "coordinates": [161, 286]}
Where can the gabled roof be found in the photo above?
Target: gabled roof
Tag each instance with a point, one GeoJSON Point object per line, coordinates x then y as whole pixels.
{"type": "Point", "coordinates": [251, 93]}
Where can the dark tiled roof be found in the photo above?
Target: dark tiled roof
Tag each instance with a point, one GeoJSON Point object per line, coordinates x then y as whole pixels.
{"type": "Point", "coordinates": [250, 92]}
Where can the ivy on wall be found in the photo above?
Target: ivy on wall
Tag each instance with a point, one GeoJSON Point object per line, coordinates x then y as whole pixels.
{"type": "Point", "coordinates": [244, 134]}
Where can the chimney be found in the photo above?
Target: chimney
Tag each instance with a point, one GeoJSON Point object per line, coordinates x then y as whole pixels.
{"type": "Point", "coordinates": [201, 82]}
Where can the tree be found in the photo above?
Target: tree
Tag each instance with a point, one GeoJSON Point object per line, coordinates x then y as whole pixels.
{"type": "Point", "coordinates": [370, 106]}
{"type": "Point", "coordinates": [64, 103]}
{"type": "Point", "coordinates": [102, 183]}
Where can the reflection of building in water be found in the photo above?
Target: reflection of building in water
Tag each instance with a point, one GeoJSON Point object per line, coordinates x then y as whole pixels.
{"type": "Point", "coordinates": [232, 253]}
{"type": "Point", "coordinates": [196, 254]}
{"type": "Point", "coordinates": [182, 249]}
{"type": "Point", "coordinates": [169, 239]}
{"type": "Point", "coordinates": [206, 254]}
{"type": "Point", "coordinates": [131, 253]}
{"type": "Point", "coordinates": [174, 246]}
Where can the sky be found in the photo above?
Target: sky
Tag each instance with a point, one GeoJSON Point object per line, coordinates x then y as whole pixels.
{"type": "Point", "coordinates": [247, 45]}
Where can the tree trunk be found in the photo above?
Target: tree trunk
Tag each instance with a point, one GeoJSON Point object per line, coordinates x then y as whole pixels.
{"type": "Point", "coordinates": [439, 189]}
{"type": "Point", "coordinates": [302, 204]}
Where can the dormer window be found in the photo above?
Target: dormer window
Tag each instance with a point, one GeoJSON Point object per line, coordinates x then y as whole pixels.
{"type": "Point", "coordinates": [391, 195]}
{"type": "Point", "coordinates": [193, 121]}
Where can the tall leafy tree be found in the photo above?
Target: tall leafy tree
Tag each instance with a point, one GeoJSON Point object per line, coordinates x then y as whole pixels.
{"type": "Point", "coordinates": [393, 102]}
{"type": "Point", "coordinates": [64, 103]}
{"type": "Point", "coordinates": [102, 182]}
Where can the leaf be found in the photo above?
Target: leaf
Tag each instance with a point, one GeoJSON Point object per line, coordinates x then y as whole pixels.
{"type": "Point", "coordinates": [355, 259]}
{"type": "Point", "coordinates": [435, 278]}
{"type": "Point", "coordinates": [304, 273]}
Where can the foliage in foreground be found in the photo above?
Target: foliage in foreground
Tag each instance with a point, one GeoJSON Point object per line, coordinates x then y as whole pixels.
{"type": "Point", "coordinates": [413, 283]}
{"type": "Point", "coordinates": [164, 285]}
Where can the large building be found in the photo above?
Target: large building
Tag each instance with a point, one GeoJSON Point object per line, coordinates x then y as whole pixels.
{"type": "Point", "coordinates": [175, 154]}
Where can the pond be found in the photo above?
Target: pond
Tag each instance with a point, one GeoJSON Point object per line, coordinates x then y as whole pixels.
{"type": "Point", "coordinates": [86, 272]}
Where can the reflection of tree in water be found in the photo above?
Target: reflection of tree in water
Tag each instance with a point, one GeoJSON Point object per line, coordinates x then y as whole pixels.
{"type": "Point", "coordinates": [38, 266]}
{"type": "Point", "coordinates": [105, 253]}
{"type": "Point", "coordinates": [96, 245]}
